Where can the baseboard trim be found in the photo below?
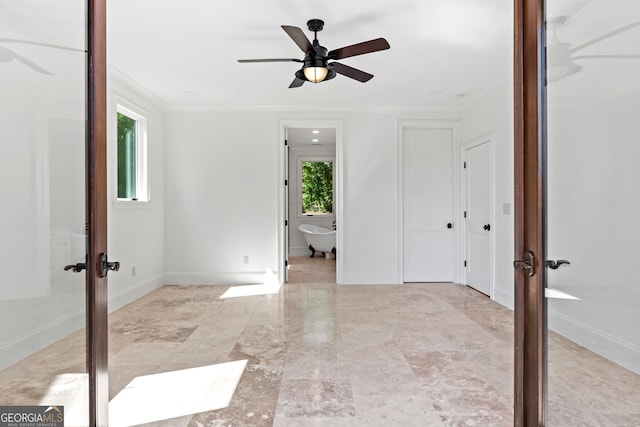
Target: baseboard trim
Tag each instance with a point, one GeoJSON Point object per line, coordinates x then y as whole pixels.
{"type": "Point", "coordinates": [389, 277]}
{"type": "Point", "coordinates": [20, 347]}
{"type": "Point", "coordinates": [134, 292]}
{"type": "Point", "coordinates": [223, 278]}
{"type": "Point", "coordinates": [607, 346]}
{"type": "Point", "coordinates": [503, 298]}
{"type": "Point", "coordinates": [25, 345]}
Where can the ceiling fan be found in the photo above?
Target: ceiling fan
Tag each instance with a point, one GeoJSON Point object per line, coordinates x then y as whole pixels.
{"type": "Point", "coordinates": [8, 55]}
{"type": "Point", "coordinates": [316, 66]}
{"type": "Point", "coordinates": [561, 55]}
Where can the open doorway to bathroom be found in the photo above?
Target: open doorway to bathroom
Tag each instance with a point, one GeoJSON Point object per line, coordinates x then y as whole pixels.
{"type": "Point", "coordinates": [311, 214]}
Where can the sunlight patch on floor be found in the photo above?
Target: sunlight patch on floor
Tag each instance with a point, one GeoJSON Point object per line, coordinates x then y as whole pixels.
{"type": "Point", "coordinates": [167, 395]}
{"type": "Point", "coordinates": [558, 294]}
{"type": "Point", "coordinates": [270, 286]}
{"type": "Point", "coordinates": [72, 392]}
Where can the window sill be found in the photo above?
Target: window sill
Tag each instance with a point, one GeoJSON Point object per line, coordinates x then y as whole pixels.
{"type": "Point", "coordinates": [319, 216]}
{"type": "Point", "coordinates": [119, 204]}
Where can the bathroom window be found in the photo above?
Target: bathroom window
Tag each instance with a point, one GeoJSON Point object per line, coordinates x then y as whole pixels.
{"type": "Point", "coordinates": [131, 155]}
{"type": "Point", "coordinates": [316, 187]}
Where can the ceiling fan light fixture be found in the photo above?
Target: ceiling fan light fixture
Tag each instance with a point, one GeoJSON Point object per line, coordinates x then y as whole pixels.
{"type": "Point", "coordinates": [315, 74]}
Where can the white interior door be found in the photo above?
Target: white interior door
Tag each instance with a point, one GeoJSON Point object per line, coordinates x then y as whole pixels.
{"type": "Point", "coordinates": [427, 205]}
{"type": "Point", "coordinates": [477, 220]}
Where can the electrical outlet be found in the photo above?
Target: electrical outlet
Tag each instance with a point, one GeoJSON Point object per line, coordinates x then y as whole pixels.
{"type": "Point", "coordinates": [133, 271]}
{"type": "Point", "coordinates": [246, 259]}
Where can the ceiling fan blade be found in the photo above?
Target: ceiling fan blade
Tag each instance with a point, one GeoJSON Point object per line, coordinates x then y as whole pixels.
{"type": "Point", "coordinates": [243, 61]}
{"type": "Point", "coordinates": [25, 61]}
{"type": "Point", "coordinates": [299, 38]}
{"type": "Point", "coordinates": [351, 72]}
{"type": "Point", "coordinates": [606, 57]}
{"type": "Point", "coordinates": [359, 49]}
{"type": "Point", "coordinates": [604, 36]}
{"type": "Point", "coordinates": [296, 83]}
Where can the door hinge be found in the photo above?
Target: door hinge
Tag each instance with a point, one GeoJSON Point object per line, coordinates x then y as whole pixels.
{"type": "Point", "coordinates": [465, 214]}
{"type": "Point", "coordinates": [526, 264]}
{"type": "Point", "coordinates": [464, 165]}
{"type": "Point", "coordinates": [286, 263]}
{"type": "Point", "coordinates": [286, 182]}
{"type": "Point", "coordinates": [286, 222]}
{"type": "Point", "coordinates": [465, 263]}
{"type": "Point", "coordinates": [286, 143]}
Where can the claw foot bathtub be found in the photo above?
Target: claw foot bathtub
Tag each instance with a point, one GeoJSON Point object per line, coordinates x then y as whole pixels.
{"type": "Point", "coordinates": [319, 239]}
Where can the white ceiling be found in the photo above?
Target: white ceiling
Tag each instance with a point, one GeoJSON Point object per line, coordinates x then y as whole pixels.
{"type": "Point", "coordinates": [443, 52]}
{"type": "Point", "coordinates": [311, 136]}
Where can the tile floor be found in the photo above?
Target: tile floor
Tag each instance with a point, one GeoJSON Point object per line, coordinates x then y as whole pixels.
{"type": "Point", "coordinates": [318, 354]}
{"type": "Point", "coordinates": [317, 269]}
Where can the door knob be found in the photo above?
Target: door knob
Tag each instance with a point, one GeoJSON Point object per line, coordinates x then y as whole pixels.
{"type": "Point", "coordinates": [552, 264]}
{"type": "Point", "coordinates": [449, 225]}
{"type": "Point", "coordinates": [76, 268]}
{"type": "Point", "coordinates": [487, 227]}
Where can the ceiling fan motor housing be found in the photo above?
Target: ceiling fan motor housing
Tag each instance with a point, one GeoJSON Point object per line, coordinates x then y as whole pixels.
{"type": "Point", "coordinates": [317, 58]}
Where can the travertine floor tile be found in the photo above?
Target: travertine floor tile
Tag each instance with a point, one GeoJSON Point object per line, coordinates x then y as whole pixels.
{"type": "Point", "coordinates": [316, 398]}
{"type": "Point", "coordinates": [320, 354]}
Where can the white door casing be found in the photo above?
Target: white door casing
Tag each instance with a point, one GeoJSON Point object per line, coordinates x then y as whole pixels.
{"type": "Point", "coordinates": [337, 124]}
{"type": "Point", "coordinates": [427, 199]}
{"type": "Point", "coordinates": [477, 221]}
{"type": "Point", "coordinates": [287, 229]}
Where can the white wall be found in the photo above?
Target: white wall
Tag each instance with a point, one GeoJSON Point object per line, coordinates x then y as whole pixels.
{"type": "Point", "coordinates": [136, 229]}
{"type": "Point", "coordinates": [593, 207]}
{"type": "Point", "coordinates": [370, 222]}
{"type": "Point", "coordinates": [493, 114]}
{"type": "Point", "coordinates": [222, 186]}
{"type": "Point", "coordinates": [221, 196]}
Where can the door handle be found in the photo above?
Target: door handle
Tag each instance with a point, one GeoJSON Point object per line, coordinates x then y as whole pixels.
{"type": "Point", "coordinates": [528, 264]}
{"type": "Point", "coordinates": [76, 268]}
{"type": "Point", "coordinates": [552, 264]}
{"type": "Point", "coordinates": [449, 225]}
{"type": "Point", "coordinates": [105, 265]}
{"type": "Point", "coordinates": [487, 227]}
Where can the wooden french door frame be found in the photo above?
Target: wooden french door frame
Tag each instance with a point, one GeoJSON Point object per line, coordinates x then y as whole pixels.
{"type": "Point", "coordinates": [96, 213]}
{"type": "Point", "coordinates": [530, 318]}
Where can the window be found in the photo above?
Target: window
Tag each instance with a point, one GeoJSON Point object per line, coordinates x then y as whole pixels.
{"type": "Point", "coordinates": [316, 187]}
{"type": "Point", "coordinates": [131, 155]}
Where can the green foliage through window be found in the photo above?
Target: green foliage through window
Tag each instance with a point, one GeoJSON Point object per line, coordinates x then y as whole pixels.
{"type": "Point", "coordinates": [317, 188]}
{"type": "Point", "coordinates": [126, 157]}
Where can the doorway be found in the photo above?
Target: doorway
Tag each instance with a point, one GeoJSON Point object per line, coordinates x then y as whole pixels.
{"type": "Point", "coordinates": [311, 196]}
{"type": "Point", "coordinates": [311, 217]}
